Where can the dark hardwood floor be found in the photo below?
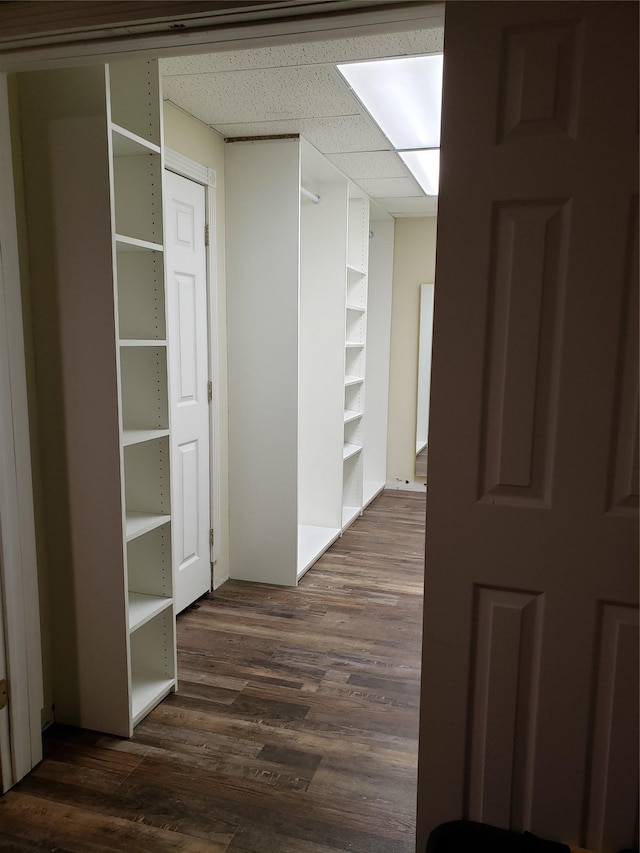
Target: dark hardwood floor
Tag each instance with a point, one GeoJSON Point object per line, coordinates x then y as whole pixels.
{"type": "Point", "coordinates": [294, 729]}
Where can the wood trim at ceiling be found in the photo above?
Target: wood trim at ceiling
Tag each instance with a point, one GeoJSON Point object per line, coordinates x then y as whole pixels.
{"type": "Point", "coordinates": [38, 35]}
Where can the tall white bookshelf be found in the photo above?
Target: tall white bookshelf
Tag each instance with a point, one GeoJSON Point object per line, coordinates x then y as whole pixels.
{"type": "Point", "coordinates": [355, 326]}
{"type": "Point", "coordinates": [297, 259]}
{"type": "Point", "coordinates": [134, 109]}
{"type": "Point", "coordinates": [323, 215]}
{"type": "Point", "coordinates": [93, 189]}
{"type": "Point", "coordinates": [379, 278]}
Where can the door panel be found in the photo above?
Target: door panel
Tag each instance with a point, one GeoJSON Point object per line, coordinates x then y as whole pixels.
{"type": "Point", "coordinates": [187, 324]}
{"type": "Point", "coordinates": [530, 631]}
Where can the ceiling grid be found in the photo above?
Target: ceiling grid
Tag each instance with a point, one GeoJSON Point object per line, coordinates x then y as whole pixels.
{"type": "Point", "coordinates": [295, 88]}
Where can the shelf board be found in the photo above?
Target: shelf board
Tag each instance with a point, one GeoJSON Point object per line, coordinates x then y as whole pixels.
{"type": "Point", "coordinates": [132, 244]}
{"type": "Point", "coordinates": [128, 144]}
{"type": "Point", "coordinates": [143, 342]}
{"type": "Point", "coordinates": [350, 450]}
{"type": "Point", "coordinates": [350, 415]}
{"type": "Point", "coordinates": [370, 490]}
{"type": "Point", "coordinates": [146, 692]}
{"type": "Point", "coordinates": [138, 436]}
{"type": "Point", "coordinates": [143, 607]}
{"type": "Point", "coordinates": [313, 541]}
{"type": "Point", "coordinates": [349, 515]}
{"type": "Point", "coordinates": [354, 345]}
{"type": "Point", "coordinates": [353, 380]}
{"type": "Point", "coordinates": [139, 523]}
{"type": "Point", "coordinates": [359, 308]}
{"type": "Point", "coordinates": [355, 272]}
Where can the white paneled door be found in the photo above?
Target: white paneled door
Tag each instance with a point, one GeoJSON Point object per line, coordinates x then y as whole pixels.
{"type": "Point", "coordinates": [188, 359]}
{"type": "Point", "coordinates": [529, 709]}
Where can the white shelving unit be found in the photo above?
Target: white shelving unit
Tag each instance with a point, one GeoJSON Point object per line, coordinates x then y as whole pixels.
{"type": "Point", "coordinates": [355, 332]}
{"type": "Point", "coordinates": [137, 169]}
{"type": "Point", "coordinates": [286, 356]}
{"type": "Point", "coordinates": [297, 261]}
{"type": "Point", "coordinates": [379, 278]}
{"type": "Point", "coordinates": [94, 154]}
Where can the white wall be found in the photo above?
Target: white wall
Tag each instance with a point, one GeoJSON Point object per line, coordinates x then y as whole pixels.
{"type": "Point", "coordinates": [189, 137]}
{"type": "Point", "coordinates": [413, 265]}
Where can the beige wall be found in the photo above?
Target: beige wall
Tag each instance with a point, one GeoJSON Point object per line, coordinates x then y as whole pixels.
{"type": "Point", "coordinates": [413, 265]}
{"type": "Point", "coordinates": [195, 140]}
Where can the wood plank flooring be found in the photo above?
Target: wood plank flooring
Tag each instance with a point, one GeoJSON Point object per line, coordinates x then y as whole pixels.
{"type": "Point", "coordinates": [294, 729]}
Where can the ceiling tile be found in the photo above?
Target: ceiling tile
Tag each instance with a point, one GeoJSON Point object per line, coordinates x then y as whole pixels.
{"type": "Point", "coordinates": [370, 164]}
{"type": "Point", "coordinates": [390, 187]}
{"type": "Point", "coordinates": [310, 53]}
{"type": "Point", "coordinates": [266, 95]}
{"type": "Point", "coordinates": [295, 88]}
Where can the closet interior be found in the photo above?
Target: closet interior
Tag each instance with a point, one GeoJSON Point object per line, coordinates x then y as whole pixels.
{"type": "Point", "coordinates": [308, 278]}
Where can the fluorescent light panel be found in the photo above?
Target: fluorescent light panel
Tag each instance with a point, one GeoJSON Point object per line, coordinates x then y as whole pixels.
{"type": "Point", "coordinates": [425, 167]}
{"type": "Point", "coordinates": [403, 96]}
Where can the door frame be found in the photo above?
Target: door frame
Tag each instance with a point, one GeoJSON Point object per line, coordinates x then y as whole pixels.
{"type": "Point", "coordinates": [21, 643]}
{"type": "Point", "coordinates": [206, 177]}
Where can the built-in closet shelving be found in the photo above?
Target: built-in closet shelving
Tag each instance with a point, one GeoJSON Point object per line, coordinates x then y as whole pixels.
{"type": "Point", "coordinates": [101, 138]}
{"type": "Point", "coordinates": [297, 262]}
{"type": "Point", "coordinates": [354, 358]}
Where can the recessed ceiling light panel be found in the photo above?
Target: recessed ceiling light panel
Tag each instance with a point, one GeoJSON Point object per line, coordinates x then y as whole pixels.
{"type": "Point", "coordinates": [425, 167]}
{"type": "Point", "coordinates": [403, 96]}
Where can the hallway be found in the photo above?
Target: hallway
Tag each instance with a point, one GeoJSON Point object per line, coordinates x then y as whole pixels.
{"type": "Point", "coordinates": [294, 729]}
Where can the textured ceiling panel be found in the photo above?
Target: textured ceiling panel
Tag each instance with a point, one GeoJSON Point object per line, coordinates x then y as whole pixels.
{"type": "Point", "coordinates": [295, 88]}
{"type": "Point", "coordinates": [370, 164]}
{"type": "Point", "coordinates": [390, 187]}
{"type": "Point", "coordinates": [310, 53]}
{"type": "Point", "coordinates": [424, 206]}
{"type": "Point", "coordinates": [328, 135]}
{"type": "Point", "coordinates": [266, 95]}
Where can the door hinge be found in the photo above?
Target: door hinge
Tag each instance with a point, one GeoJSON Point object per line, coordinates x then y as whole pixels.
{"type": "Point", "coordinates": [210, 391]}
{"type": "Point", "coordinates": [206, 235]}
{"type": "Point", "coordinates": [4, 693]}
{"type": "Point", "coordinates": [211, 537]}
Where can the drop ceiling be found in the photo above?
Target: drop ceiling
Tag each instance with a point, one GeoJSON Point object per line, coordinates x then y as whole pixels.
{"type": "Point", "coordinates": [295, 88]}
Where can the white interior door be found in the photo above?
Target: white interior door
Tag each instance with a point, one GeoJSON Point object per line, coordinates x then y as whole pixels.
{"type": "Point", "coordinates": [530, 670]}
{"type": "Point", "coordinates": [188, 359]}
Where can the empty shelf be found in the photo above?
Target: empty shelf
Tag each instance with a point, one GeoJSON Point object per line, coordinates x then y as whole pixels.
{"type": "Point", "coordinates": [350, 450]}
{"type": "Point", "coordinates": [137, 436]}
{"type": "Point", "coordinates": [351, 416]}
{"type": "Point", "coordinates": [132, 244]}
{"type": "Point", "coordinates": [142, 608]}
{"type": "Point", "coordinates": [370, 490]}
{"type": "Point", "coordinates": [353, 380]}
{"type": "Point", "coordinates": [147, 691]}
{"type": "Point", "coordinates": [128, 144]}
{"type": "Point", "coordinates": [355, 272]}
{"type": "Point", "coordinates": [139, 523]}
{"type": "Point", "coordinates": [143, 342]}
{"type": "Point", "coordinates": [312, 543]}
{"type": "Point", "coordinates": [349, 514]}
